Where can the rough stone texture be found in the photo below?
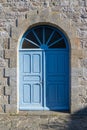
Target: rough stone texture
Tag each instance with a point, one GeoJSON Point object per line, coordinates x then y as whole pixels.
{"type": "Point", "coordinates": [43, 122]}
{"type": "Point", "coordinates": [16, 16]}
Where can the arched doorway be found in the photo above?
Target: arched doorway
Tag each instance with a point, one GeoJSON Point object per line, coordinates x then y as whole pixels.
{"type": "Point", "coordinates": [44, 69]}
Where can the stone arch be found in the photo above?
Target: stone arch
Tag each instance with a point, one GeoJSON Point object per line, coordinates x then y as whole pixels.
{"type": "Point", "coordinates": [66, 27]}
{"type": "Point", "coordinates": [64, 30]}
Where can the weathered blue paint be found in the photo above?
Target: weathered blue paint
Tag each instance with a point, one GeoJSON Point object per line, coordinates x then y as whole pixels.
{"type": "Point", "coordinates": [57, 80]}
{"type": "Point", "coordinates": [44, 71]}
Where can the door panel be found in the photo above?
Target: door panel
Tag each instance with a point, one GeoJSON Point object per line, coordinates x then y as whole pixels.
{"type": "Point", "coordinates": [36, 63]}
{"type": "Point", "coordinates": [52, 94]}
{"type": "Point", "coordinates": [26, 63]}
{"type": "Point", "coordinates": [36, 93]}
{"type": "Point", "coordinates": [57, 80]}
{"type": "Point", "coordinates": [27, 91]}
{"type": "Point", "coordinates": [30, 80]}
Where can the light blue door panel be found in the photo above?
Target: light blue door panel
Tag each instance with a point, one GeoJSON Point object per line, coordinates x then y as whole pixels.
{"type": "Point", "coordinates": [57, 80]}
{"type": "Point", "coordinates": [36, 94]}
{"type": "Point", "coordinates": [26, 63]}
{"type": "Point", "coordinates": [36, 63]}
{"type": "Point", "coordinates": [30, 91]}
{"type": "Point", "coordinates": [27, 91]}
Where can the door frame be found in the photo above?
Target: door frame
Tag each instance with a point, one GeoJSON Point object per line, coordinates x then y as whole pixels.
{"type": "Point", "coordinates": [43, 58]}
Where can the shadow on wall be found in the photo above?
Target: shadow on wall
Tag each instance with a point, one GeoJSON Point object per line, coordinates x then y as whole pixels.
{"type": "Point", "coordinates": [64, 121]}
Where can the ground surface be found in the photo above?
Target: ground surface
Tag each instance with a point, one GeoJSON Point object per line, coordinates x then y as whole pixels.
{"type": "Point", "coordinates": [46, 121]}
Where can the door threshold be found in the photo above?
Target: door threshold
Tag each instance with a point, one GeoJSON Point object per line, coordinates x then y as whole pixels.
{"type": "Point", "coordinates": [45, 112]}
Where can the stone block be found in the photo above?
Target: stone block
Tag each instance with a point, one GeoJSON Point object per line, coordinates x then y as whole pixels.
{"type": "Point", "coordinates": [80, 53]}
{"type": "Point", "coordinates": [6, 43]}
{"type": "Point", "coordinates": [1, 72]}
{"type": "Point", "coordinates": [75, 42]}
{"type": "Point", "coordinates": [1, 108]}
{"type": "Point", "coordinates": [14, 92]}
{"type": "Point", "coordinates": [83, 3]}
{"type": "Point", "coordinates": [13, 81]}
{"type": "Point", "coordinates": [85, 54]}
{"type": "Point", "coordinates": [1, 43]}
{"type": "Point", "coordinates": [75, 95]}
{"type": "Point", "coordinates": [10, 53]}
{"type": "Point", "coordinates": [3, 99]}
{"type": "Point", "coordinates": [74, 52]}
{"type": "Point", "coordinates": [82, 33]}
{"type": "Point", "coordinates": [85, 63]}
{"type": "Point", "coordinates": [7, 90]}
{"type": "Point", "coordinates": [11, 108]}
{"type": "Point", "coordinates": [3, 81]}
{"type": "Point", "coordinates": [13, 62]}
{"type": "Point", "coordinates": [85, 73]}
{"type": "Point", "coordinates": [64, 3]}
{"type": "Point", "coordinates": [3, 62]}
{"type": "Point", "coordinates": [77, 53]}
{"type": "Point", "coordinates": [1, 53]}
{"type": "Point", "coordinates": [1, 90]}
{"type": "Point", "coordinates": [74, 81]}
{"type": "Point", "coordinates": [75, 108]}
{"type": "Point", "coordinates": [74, 72]}
{"type": "Point", "coordinates": [82, 81]}
{"type": "Point", "coordinates": [10, 72]}
{"type": "Point", "coordinates": [16, 32]}
{"type": "Point", "coordinates": [13, 44]}
{"type": "Point", "coordinates": [83, 44]}
{"type": "Point", "coordinates": [74, 61]}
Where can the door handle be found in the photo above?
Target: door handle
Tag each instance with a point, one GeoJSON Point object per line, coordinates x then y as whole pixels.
{"type": "Point", "coordinates": [41, 82]}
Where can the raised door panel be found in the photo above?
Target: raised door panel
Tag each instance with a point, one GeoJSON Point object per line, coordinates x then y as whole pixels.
{"type": "Point", "coordinates": [52, 95]}
{"type": "Point", "coordinates": [36, 63]}
{"type": "Point", "coordinates": [26, 63]}
{"type": "Point", "coordinates": [36, 94]}
{"type": "Point", "coordinates": [27, 93]}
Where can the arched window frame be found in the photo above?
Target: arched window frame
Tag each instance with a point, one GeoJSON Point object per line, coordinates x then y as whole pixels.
{"type": "Point", "coordinates": [33, 28]}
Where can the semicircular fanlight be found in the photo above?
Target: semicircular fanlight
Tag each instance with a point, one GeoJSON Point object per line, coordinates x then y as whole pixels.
{"type": "Point", "coordinates": [43, 37]}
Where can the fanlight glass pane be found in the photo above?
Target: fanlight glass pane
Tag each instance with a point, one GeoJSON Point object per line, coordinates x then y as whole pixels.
{"type": "Point", "coordinates": [31, 37]}
{"type": "Point", "coordinates": [27, 44]}
{"type": "Point", "coordinates": [55, 37]}
{"type": "Point", "coordinates": [39, 32]}
{"type": "Point", "coordinates": [44, 37]}
{"type": "Point", "coordinates": [60, 44]}
{"type": "Point", "coordinates": [48, 32]}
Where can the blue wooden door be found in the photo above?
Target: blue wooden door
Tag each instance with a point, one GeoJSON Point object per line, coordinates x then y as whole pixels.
{"type": "Point", "coordinates": [57, 80]}
{"type": "Point", "coordinates": [30, 80]}
{"type": "Point", "coordinates": [44, 70]}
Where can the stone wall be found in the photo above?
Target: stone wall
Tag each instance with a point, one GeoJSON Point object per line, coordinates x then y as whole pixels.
{"type": "Point", "coordinates": [16, 16]}
{"type": "Point", "coordinates": [57, 121]}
